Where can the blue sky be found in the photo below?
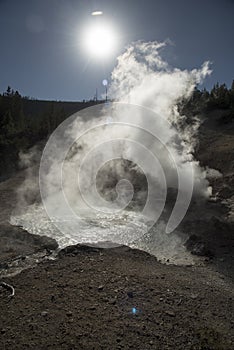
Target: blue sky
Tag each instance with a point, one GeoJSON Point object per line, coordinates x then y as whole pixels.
{"type": "Point", "coordinates": [42, 56]}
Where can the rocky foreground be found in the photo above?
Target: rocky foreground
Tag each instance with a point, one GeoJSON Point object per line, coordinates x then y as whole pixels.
{"type": "Point", "coordinates": [119, 298]}
{"type": "Point", "coordinates": [91, 298]}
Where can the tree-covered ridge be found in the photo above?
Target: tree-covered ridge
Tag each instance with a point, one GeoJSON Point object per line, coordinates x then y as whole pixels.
{"type": "Point", "coordinates": [220, 97]}
{"type": "Point", "coordinates": [25, 121]}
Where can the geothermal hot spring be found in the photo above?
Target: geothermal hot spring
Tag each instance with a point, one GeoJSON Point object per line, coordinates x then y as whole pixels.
{"type": "Point", "coordinates": [120, 172]}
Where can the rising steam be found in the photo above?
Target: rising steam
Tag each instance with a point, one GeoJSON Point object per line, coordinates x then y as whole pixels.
{"type": "Point", "coordinates": [143, 78]}
{"type": "Point", "coordinates": [109, 172]}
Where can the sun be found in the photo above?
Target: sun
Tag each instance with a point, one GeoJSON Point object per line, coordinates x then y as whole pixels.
{"type": "Point", "coordinates": [99, 40]}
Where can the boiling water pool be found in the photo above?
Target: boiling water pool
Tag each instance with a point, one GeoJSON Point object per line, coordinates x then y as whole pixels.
{"type": "Point", "coordinates": [126, 227]}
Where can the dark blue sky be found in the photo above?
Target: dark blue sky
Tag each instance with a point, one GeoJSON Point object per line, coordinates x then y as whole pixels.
{"type": "Point", "coordinates": [41, 55]}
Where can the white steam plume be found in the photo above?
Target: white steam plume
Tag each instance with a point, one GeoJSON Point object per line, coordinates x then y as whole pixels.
{"type": "Point", "coordinates": [141, 79]}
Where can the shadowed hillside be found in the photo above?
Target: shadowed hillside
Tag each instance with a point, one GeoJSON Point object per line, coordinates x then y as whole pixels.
{"type": "Point", "coordinates": [24, 122]}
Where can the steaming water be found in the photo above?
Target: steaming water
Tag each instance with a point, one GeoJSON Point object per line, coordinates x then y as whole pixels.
{"type": "Point", "coordinates": [126, 227]}
{"type": "Point", "coordinates": [151, 89]}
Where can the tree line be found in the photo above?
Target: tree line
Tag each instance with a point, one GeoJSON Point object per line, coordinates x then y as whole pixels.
{"type": "Point", "coordinates": [219, 97]}
{"type": "Point", "coordinates": [25, 121]}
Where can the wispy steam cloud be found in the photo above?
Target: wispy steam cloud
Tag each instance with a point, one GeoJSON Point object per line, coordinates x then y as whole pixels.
{"type": "Point", "coordinates": [144, 129]}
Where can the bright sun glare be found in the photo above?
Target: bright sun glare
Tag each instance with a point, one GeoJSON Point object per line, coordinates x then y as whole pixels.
{"type": "Point", "coordinates": [100, 40]}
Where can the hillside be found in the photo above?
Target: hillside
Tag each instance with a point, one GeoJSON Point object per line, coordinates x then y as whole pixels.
{"type": "Point", "coordinates": [25, 122]}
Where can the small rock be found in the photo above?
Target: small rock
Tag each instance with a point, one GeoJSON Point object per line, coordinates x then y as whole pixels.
{"type": "Point", "coordinates": [130, 294]}
{"type": "Point", "coordinates": [69, 313]}
{"type": "Point", "coordinates": [100, 287]}
{"type": "Point", "coordinates": [194, 296]}
{"type": "Point", "coordinates": [44, 313]}
{"type": "Point", "coordinates": [170, 313]}
{"type": "Point", "coordinates": [196, 246]}
{"type": "Point", "coordinates": [92, 308]}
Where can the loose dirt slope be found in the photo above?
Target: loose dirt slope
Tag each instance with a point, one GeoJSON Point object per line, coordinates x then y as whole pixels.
{"type": "Point", "coordinates": [85, 300]}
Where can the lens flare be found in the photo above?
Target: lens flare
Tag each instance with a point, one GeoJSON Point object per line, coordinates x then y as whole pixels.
{"type": "Point", "coordinates": [97, 13]}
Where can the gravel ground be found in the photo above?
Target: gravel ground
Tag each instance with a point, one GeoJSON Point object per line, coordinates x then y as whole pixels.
{"type": "Point", "coordinates": [116, 298]}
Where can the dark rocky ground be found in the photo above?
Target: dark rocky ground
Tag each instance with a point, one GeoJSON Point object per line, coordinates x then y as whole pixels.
{"type": "Point", "coordinates": [119, 298]}
{"type": "Point", "coordinates": [86, 300]}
